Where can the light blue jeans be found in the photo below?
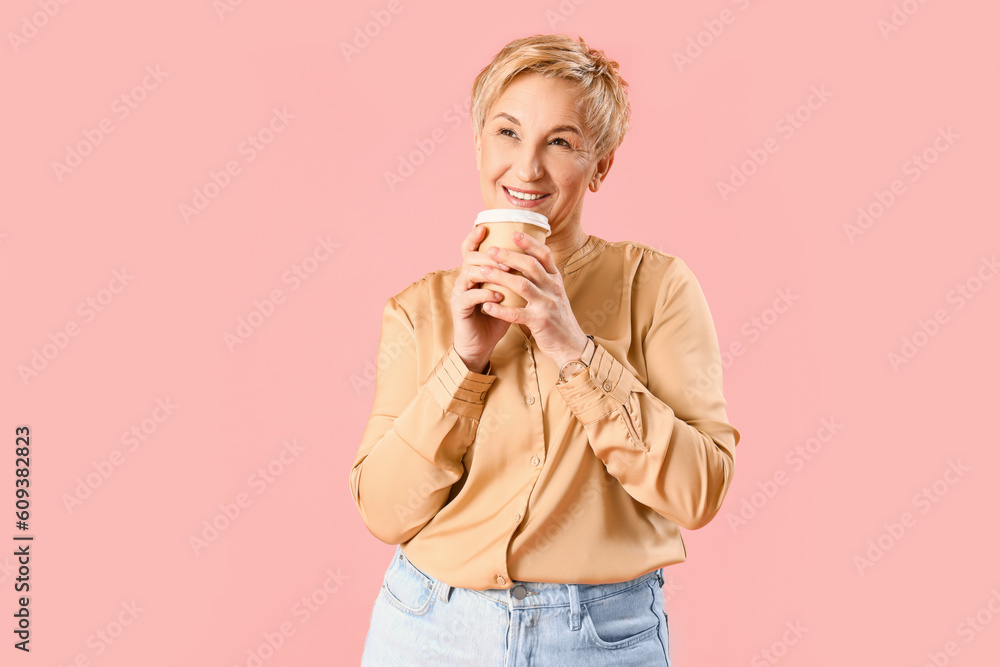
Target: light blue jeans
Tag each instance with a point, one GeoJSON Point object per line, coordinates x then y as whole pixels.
{"type": "Point", "coordinates": [420, 620]}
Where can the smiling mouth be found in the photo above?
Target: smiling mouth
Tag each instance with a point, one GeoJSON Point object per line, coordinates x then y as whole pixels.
{"type": "Point", "coordinates": [522, 195]}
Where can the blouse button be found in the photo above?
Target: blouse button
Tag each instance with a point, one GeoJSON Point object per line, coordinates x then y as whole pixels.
{"type": "Point", "coordinates": [517, 518]}
{"type": "Point", "coordinates": [607, 385]}
{"type": "Point", "coordinates": [501, 580]}
{"type": "Point", "coordinates": [535, 461]}
{"type": "Point", "coordinates": [529, 399]}
{"type": "Point", "coordinates": [524, 345]}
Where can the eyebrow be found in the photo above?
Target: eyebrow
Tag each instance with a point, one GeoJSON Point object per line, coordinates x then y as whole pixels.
{"type": "Point", "coordinates": [561, 128]}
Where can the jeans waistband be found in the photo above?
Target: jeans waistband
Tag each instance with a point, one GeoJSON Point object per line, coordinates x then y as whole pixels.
{"type": "Point", "coordinates": [523, 594]}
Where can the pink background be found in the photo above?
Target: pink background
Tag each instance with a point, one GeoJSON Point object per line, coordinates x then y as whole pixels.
{"type": "Point", "coordinates": [301, 375]}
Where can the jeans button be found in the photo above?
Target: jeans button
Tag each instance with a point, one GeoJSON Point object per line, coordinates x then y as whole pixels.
{"type": "Point", "coordinates": [519, 591]}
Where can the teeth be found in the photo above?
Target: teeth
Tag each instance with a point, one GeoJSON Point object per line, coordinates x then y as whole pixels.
{"type": "Point", "coordinates": [521, 195]}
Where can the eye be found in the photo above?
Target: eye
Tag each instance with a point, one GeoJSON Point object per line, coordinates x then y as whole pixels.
{"type": "Point", "coordinates": [506, 129]}
{"type": "Point", "coordinates": [565, 143]}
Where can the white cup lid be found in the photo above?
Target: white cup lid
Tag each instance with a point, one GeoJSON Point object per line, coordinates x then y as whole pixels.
{"type": "Point", "coordinates": [513, 215]}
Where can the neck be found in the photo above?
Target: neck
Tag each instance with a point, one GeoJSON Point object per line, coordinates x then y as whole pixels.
{"type": "Point", "coordinates": [564, 242]}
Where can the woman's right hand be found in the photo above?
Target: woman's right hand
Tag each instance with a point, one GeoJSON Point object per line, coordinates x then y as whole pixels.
{"type": "Point", "coordinates": [476, 333]}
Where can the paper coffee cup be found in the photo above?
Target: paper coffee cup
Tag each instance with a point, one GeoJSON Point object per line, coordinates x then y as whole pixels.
{"type": "Point", "coordinates": [501, 224]}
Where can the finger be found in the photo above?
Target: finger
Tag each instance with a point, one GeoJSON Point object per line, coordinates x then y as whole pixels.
{"type": "Point", "coordinates": [526, 264]}
{"type": "Point", "coordinates": [471, 298]}
{"type": "Point", "coordinates": [518, 284]}
{"type": "Point", "coordinates": [472, 239]}
{"type": "Point", "coordinates": [506, 313]}
{"type": "Point", "coordinates": [540, 251]}
{"type": "Point", "coordinates": [475, 273]}
{"type": "Point", "coordinates": [481, 258]}
{"type": "Point", "coordinates": [479, 236]}
{"type": "Point", "coordinates": [468, 278]}
{"type": "Point", "coordinates": [464, 280]}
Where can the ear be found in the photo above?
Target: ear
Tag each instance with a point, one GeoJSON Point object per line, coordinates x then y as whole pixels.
{"type": "Point", "coordinates": [601, 171]}
{"type": "Point", "coordinates": [479, 150]}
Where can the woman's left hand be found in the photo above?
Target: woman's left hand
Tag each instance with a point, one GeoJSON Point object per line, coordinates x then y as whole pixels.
{"type": "Point", "coordinates": [548, 314]}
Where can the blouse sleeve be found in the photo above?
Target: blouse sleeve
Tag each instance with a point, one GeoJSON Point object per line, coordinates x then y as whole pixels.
{"type": "Point", "coordinates": [669, 444]}
{"type": "Point", "coordinates": [417, 433]}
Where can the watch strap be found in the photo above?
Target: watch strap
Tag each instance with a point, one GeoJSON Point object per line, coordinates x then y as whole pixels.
{"type": "Point", "coordinates": [589, 350]}
{"type": "Point", "coordinates": [581, 363]}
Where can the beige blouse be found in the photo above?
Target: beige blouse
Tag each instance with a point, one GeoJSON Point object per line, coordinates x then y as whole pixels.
{"type": "Point", "coordinates": [509, 475]}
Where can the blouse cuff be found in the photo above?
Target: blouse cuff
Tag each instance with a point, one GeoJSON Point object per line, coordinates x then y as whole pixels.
{"type": "Point", "coordinates": [606, 386]}
{"type": "Point", "coordinates": [458, 389]}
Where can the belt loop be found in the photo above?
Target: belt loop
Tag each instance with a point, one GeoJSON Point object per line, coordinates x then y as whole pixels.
{"type": "Point", "coordinates": [445, 591]}
{"type": "Point", "coordinates": [659, 576]}
{"type": "Point", "coordinates": [574, 607]}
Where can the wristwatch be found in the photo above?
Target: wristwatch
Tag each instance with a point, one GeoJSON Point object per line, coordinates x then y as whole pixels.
{"type": "Point", "coordinates": [575, 366]}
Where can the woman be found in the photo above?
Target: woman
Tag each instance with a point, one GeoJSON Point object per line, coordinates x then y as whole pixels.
{"type": "Point", "coordinates": [535, 476]}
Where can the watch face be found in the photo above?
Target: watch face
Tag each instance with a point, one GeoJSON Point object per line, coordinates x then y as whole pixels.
{"type": "Point", "coordinates": [571, 370]}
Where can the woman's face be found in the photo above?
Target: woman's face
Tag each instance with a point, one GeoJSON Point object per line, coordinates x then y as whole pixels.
{"type": "Point", "coordinates": [533, 144]}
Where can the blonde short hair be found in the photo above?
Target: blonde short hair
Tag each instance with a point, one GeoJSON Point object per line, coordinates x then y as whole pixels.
{"type": "Point", "coordinates": [607, 112]}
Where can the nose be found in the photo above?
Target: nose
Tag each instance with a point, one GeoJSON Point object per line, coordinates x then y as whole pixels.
{"type": "Point", "coordinates": [528, 167]}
